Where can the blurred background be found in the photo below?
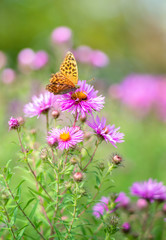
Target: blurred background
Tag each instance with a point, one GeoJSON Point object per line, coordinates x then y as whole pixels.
{"type": "Point", "coordinates": [121, 43]}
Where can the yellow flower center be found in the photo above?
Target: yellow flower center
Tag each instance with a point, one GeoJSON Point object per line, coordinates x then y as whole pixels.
{"type": "Point", "coordinates": [79, 96]}
{"type": "Point", "coordinates": [65, 136]}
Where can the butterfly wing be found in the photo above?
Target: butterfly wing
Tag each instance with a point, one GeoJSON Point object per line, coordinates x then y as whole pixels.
{"type": "Point", "coordinates": [59, 84]}
{"type": "Point", "coordinates": [69, 68]}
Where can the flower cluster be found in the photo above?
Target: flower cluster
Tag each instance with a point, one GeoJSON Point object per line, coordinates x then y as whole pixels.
{"type": "Point", "coordinates": [30, 60]}
{"type": "Point", "coordinates": [62, 37]}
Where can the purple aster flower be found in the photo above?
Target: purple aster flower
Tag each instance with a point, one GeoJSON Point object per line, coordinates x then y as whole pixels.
{"type": "Point", "coordinates": [67, 137]}
{"type": "Point", "coordinates": [122, 200]}
{"type": "Point", "coordinates": [106, 132]}
{"type": "Point", "coordinates": [13, 123]}
{"type": "Point", "coordinates": [100, 208]}
{"type": "Point", "coordinates": [40, 104]}
{"type": "Point", "coordinates": [83, 100]}
{"type": "Point", "coordinates": [51, 140]}
{"type": "Point", "coordinates": [126, 227]}
{"type": "Point", "coordinates": [149, 190]}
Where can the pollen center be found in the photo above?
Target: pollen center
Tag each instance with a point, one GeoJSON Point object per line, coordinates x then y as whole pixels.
{"type": "Point", "coordinates": [65, 136]}
{"type": "Point", "coordinates": [79, 96]}
{"type": "Point", "coordinates": [105, 129]}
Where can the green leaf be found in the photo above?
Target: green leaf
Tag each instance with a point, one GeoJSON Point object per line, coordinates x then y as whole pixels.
{"type": "Point", "coordinates": [19, 236]}
{"type": "Point", "coordinates": [38, 194]}
{"type": "Point", "coordinates": [97, 180]}
{"type": "Point", "coordinates": [31, 200]}
{"type": "Point", "coordinates": [34, 209]}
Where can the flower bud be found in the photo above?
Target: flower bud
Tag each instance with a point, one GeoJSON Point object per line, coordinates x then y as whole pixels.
{"type": "Point", "coordinates": [63, 218]}
{"type": "Point", "coordinates": [43, 153]}
{"type": "Point", "coordinates": [78, 176]}
{"type": "Point", "coordinates": [33, 131]}
{"type": "Point", "coordinates": [13, 123]}
{"type": "Point", "coordinates": [102, 166]}
{"type": "Point", "coordinates": [116, 159]}
{"type": "Point", "coordinates": [142, 203]}
{"type": "Point", "coordinates": [83, 119]}
{"type": "Point", "coordinates": [126, 227]}
{"type": "Point", "coordinates": [21, 120]}
{"type": "Point", "coordinates": [87, 135]}
{"type": "Point", "coordinates": [73, 160]}
{"type": "Point", "coordinates": [55, 114]}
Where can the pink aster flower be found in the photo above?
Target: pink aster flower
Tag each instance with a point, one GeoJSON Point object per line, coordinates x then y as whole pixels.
{"type": "Point", "coordinates": [13, 123]}
{"type": "Point", "coordinates": [99, 59]}
{"type": "Point", "coordinates": [61, 35]}
{"type": "Point", "coordinates": [150, 190]}
{"type": "Point", "coordinates": [100, 208]}
{"type": "Point", "coordinates": [137, 91]}
{"type": "Point", "coordinates": [106, 132]}
{"type": "Point", "coordinates": [67, 137]}
{"type": "Point", "coordinates": [41, 104]}
{"type": "Point", "coordinates": [83, 100]}
{"type": "Point", "coordinates": [40, 60]}
{"type": "Point", "coordinates": [51, 140]}
{"type": "Point", "coordinates": [122, 200]}
{"type": "Point", "coordinates": [8, 76]}
{"type": "Point", "coordinates": [83, 54]}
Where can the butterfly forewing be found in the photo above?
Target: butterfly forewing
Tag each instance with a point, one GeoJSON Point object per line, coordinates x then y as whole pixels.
{"type": "Point", "coordinates": [69, 68]}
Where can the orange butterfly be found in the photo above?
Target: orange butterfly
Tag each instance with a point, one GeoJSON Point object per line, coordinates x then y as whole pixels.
{"type": "Point", "coordinates": [66, 79]}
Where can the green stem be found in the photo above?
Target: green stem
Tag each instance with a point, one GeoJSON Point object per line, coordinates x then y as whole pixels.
{"type": "Point", "coordinates": [11, 228]}
{"type": "Point", "coordinates": [23, 150]}
{"type": "Point", "coordinates": [22, 209]}
{"type": "Point", "coordinates": [33, 173]}
{"type": "Point", "coordinates": [99, 187]}
{"type": "Point", "coordinates": [47, 122]}
{"type": "Point", "coordinates": [73, 217]}
{"type": "Point", "coordinates": [97, 144]}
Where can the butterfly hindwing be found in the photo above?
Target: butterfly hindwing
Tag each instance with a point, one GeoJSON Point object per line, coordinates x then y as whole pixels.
{"type": "Point", "coordinates": [69, 68]}
{"type": "Point", "coordinates": [60, 84]}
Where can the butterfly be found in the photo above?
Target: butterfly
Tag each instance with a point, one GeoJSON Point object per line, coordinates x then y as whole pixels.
{"type": "Point", "coordinates": [66, 79]}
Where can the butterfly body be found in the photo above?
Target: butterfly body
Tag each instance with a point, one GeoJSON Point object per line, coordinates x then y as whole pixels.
{"type": "Point", "coordinates": [66, 79]}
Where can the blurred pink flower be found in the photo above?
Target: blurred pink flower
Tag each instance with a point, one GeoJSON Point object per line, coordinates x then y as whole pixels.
{"type": "Point", "coordinates": [8, 76]}
{"type": "Point", "coordinates": [122, 200]}
{"type": "Point", "coordinates": [83, 54]}
{"type": "Point", "coordinates": [29, 60]}
{"type": "Point", "coordinates": [3, 60]}
{"type": "Point", "coordinates": [150, 190]}
{"type": "Point", "coordinates": [40, 60]}
{"type": "Point", "coordinates": [26, 57]}
{"type": "Point", "coordinates": [161, 99]}
{"type": "Point", "coordinates": [61, 35]}
{"type": "Point", "coordinates": [137, 91]}
{"type": "Point", "coordinates": [99, 59]}
{"type": "Point", "coordinates": [101, 207]}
